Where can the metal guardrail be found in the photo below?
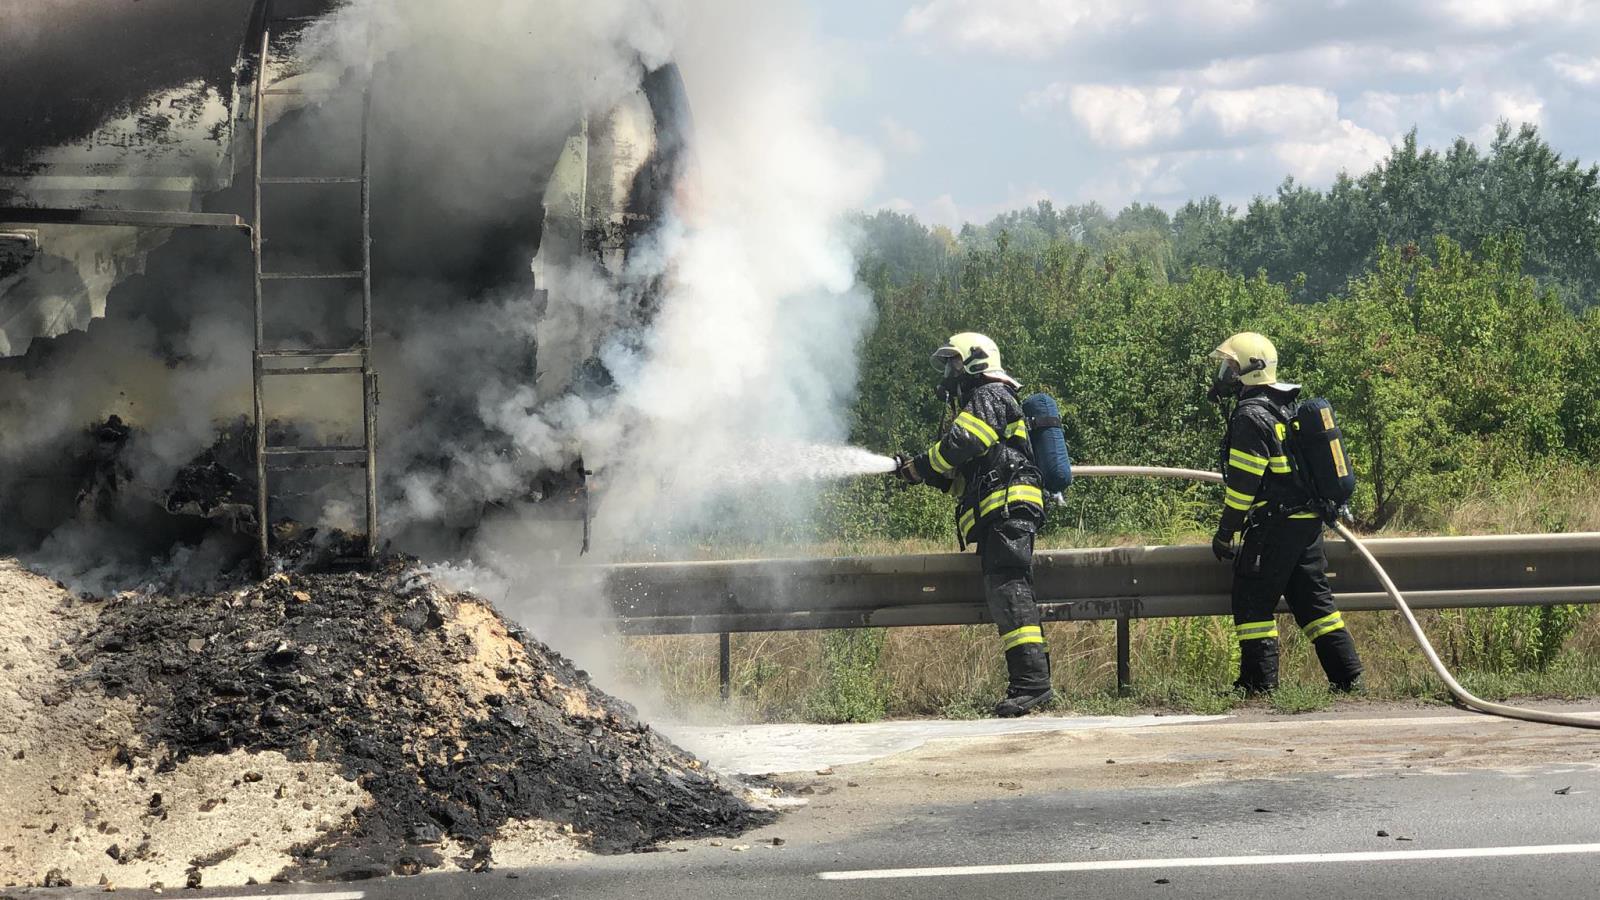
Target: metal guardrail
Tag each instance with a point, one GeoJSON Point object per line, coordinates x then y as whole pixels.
{"type": "Point", "coordinates": [1117, 583]}
{"type": "Point", "coordinates": [1078, 585]}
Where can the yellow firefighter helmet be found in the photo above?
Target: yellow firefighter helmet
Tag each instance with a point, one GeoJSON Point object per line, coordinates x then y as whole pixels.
{"type": "Point", "coordinates": [967, 352]}
{"type": "Point", "coordinates": [1248, 358]}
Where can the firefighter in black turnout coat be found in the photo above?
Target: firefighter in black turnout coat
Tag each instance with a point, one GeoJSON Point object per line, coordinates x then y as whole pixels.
{"type": "Point", "coordinates": [985, 461]}
{"type": "Point", "coordinates": [1281, 552]}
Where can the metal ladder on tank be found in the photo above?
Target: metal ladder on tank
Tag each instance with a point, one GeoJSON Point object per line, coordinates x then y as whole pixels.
{"type": "Point", "coordinates": [319, 361]}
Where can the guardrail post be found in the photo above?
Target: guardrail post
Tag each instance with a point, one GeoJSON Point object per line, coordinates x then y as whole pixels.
{"type": "Point", "coordinates": [1124, 654]}
{"type": "Point", "coordinates": [724, 665]}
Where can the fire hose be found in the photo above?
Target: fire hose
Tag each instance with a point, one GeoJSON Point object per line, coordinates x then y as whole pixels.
{"type": "Point", "coordinates": [1461, 694]}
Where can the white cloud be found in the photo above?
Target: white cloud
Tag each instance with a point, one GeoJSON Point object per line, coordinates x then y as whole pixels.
{"type": "Point", "coordinates": [1130, 117]}
{"type": "Point", "coordinates": [1277, 109]}
{"type": "Point", "coordinates": [1476, 112]}
{"type": "Point", "coordinates": [1398, 35]}
{"type": "Point", "coordinates": [1517, 106]}
{"type": "Point", "coordinates": [1342, 66]}
{"type": "Point", "coordinates": [1030, 27]}
{"type": "Point", "coordinates": [1153, 99]}
{"type": "Point", "coordinates": [900, 137]}
{"type": "Point", "coordinates": [1387, 112]}
{"type": "Point", "coordinates": [1126, 116]}
{"type": "Point", "coordinates": [1499, 14]}
{"type": "Point", "coordinates": [1347, 148]}
{"type": "Point", "coordinates": [1284, 128]}
{"type": "Point", "coordinates": [1584, 70]}
{"type": "Point", "coordinates": [1464, 109]}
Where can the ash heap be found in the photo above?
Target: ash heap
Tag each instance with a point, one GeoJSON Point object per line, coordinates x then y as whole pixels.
{"type": "Point", "coordinates": [321, 727]}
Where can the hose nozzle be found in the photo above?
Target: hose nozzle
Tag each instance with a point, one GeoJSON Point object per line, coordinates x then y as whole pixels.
{"type": "Point", "coordinates": [903, 469]}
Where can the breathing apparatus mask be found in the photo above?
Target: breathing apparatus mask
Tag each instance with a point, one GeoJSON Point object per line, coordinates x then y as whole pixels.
{"type": "Point", "coordinates": [952, 376]}
{"type": "Point", "coordinates": [1228, 381]}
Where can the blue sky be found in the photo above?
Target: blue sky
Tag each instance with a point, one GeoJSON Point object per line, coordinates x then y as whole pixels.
{"type": "Point", "coordinates": [978, 106]}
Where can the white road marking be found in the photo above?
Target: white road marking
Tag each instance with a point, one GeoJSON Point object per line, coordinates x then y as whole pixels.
{"type": "Point", "coordinates": [1215, 861]}
{"type": "Point", "coordinates": [335, 895]}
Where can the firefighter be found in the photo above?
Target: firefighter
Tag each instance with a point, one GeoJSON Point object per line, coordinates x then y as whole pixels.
{"type": "Point", "coordinates": [985, 461]}
{"type": "Point", "coordinates": [1281, 553]}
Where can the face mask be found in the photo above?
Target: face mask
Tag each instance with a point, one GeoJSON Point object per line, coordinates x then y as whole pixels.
{"type": "Point", "coordinates": [949, 387]}
{"type": "Point", "coordinates": [1226, 382]}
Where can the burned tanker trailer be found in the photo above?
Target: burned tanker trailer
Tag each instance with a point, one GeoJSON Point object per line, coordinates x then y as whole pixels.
{"type": "Point", "coordinates": [388, 265]}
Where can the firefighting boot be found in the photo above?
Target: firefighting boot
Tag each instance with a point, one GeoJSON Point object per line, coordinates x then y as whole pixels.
{"type": "Point", "coordinates": [1337, 653]}
{"type": "Point", "coordinates": [1029, 668]}
{"type": "Point", "coordinates": [1258, 666]}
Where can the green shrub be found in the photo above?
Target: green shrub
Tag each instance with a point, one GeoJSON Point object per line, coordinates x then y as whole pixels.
{"type": "Point", "coordinates": [1508, 640]}
{"type": "Point", "coordinates": [852, 686]}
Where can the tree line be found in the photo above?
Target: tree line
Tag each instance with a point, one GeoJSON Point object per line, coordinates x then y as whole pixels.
{"type": "Point", "coordinates": [1441, 301]}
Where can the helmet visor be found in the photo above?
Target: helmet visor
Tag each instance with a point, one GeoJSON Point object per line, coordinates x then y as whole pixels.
{"type": "Point", "coordinates": [947, 360]}
{"type": "Point", "coordinates": [1227, 371]}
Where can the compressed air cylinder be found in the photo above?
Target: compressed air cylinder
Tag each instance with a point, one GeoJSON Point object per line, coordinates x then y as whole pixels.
{"type": "Point", "coordinates": [1319, 448]}
{"type": "Point", "coordinates": [1049, 442]}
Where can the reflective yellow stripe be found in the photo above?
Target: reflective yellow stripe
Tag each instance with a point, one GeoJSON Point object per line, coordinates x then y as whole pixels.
{"type": "Point", "coordinates": [1325, 625]}
{"type": "Point", "coordinates": [978, 428]}
{"type": "Point", "coordinates": [1027, 634]}
{"type": "Point", "coordinates": [936, 459]}
{"type": "Point", "coordinates": [1279, 464]}
{"type": "Point", "coordinates": [1017, 493]}
{"type": "Point", "coordinates": [1254, 631]}
{"type": "Point", "coordinates": [1240, 455]}
{"type": "Point", "coordinates": [1340, 465]}
{"type": "Point", "coordinates": [1245, 462]}
{"type": "Point", "coordinates": [1020, 493]}
{"type": "Point", "coordinates": [1305, 515]}
{"type": "Point", "coordinates": [1247, 468]}
{"type": "Point", "coordinates": [1019, 428]}
{"type": "Point", "coordinates": [1236, 500]}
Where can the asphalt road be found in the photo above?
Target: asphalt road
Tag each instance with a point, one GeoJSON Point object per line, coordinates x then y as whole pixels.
{"type": "Point", "coordinates": [1317, 815]}
{"type": "Point", "coordinates": [1536, 815]}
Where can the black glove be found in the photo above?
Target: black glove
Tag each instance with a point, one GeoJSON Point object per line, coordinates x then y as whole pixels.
{"type": "Point", "coordinates": [906, 469]}
{"type": "Point", "coordinates": [1222, 546]}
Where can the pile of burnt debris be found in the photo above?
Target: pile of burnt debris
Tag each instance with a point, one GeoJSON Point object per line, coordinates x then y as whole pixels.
{"type": "Point", "coordinates": [453, 719]}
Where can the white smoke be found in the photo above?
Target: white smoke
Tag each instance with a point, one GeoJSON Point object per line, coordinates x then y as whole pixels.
{"type": "Point", "coordinates": [750, 358]}
{"type": "Point", "coordinates": [758, 336]}
{"type": "Point", "coordinates": [758, 323]}
{"type": "Point", "coordinates": [746, 350]}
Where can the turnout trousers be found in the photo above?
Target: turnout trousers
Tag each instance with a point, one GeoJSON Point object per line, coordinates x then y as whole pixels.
{"type": "Point", "coordinates": [1006, 549]}
{"type": "Point", "coordinates": [1284, 558]}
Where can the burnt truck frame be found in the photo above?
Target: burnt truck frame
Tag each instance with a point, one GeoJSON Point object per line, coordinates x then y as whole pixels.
{"type": "Point", "coordinates": [126, 129]}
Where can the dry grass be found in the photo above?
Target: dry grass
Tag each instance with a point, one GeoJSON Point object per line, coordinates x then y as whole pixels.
{"type": "Point", "coordinates": [1183, 665]}
{"type": "Point", "coordinates": [1551, 499]}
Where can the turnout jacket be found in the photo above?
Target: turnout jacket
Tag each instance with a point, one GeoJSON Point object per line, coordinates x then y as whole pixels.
{"type": "Point", "coordinates": [1257, 471]}
{"type": "Point", "coordinates": [985, 461]}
